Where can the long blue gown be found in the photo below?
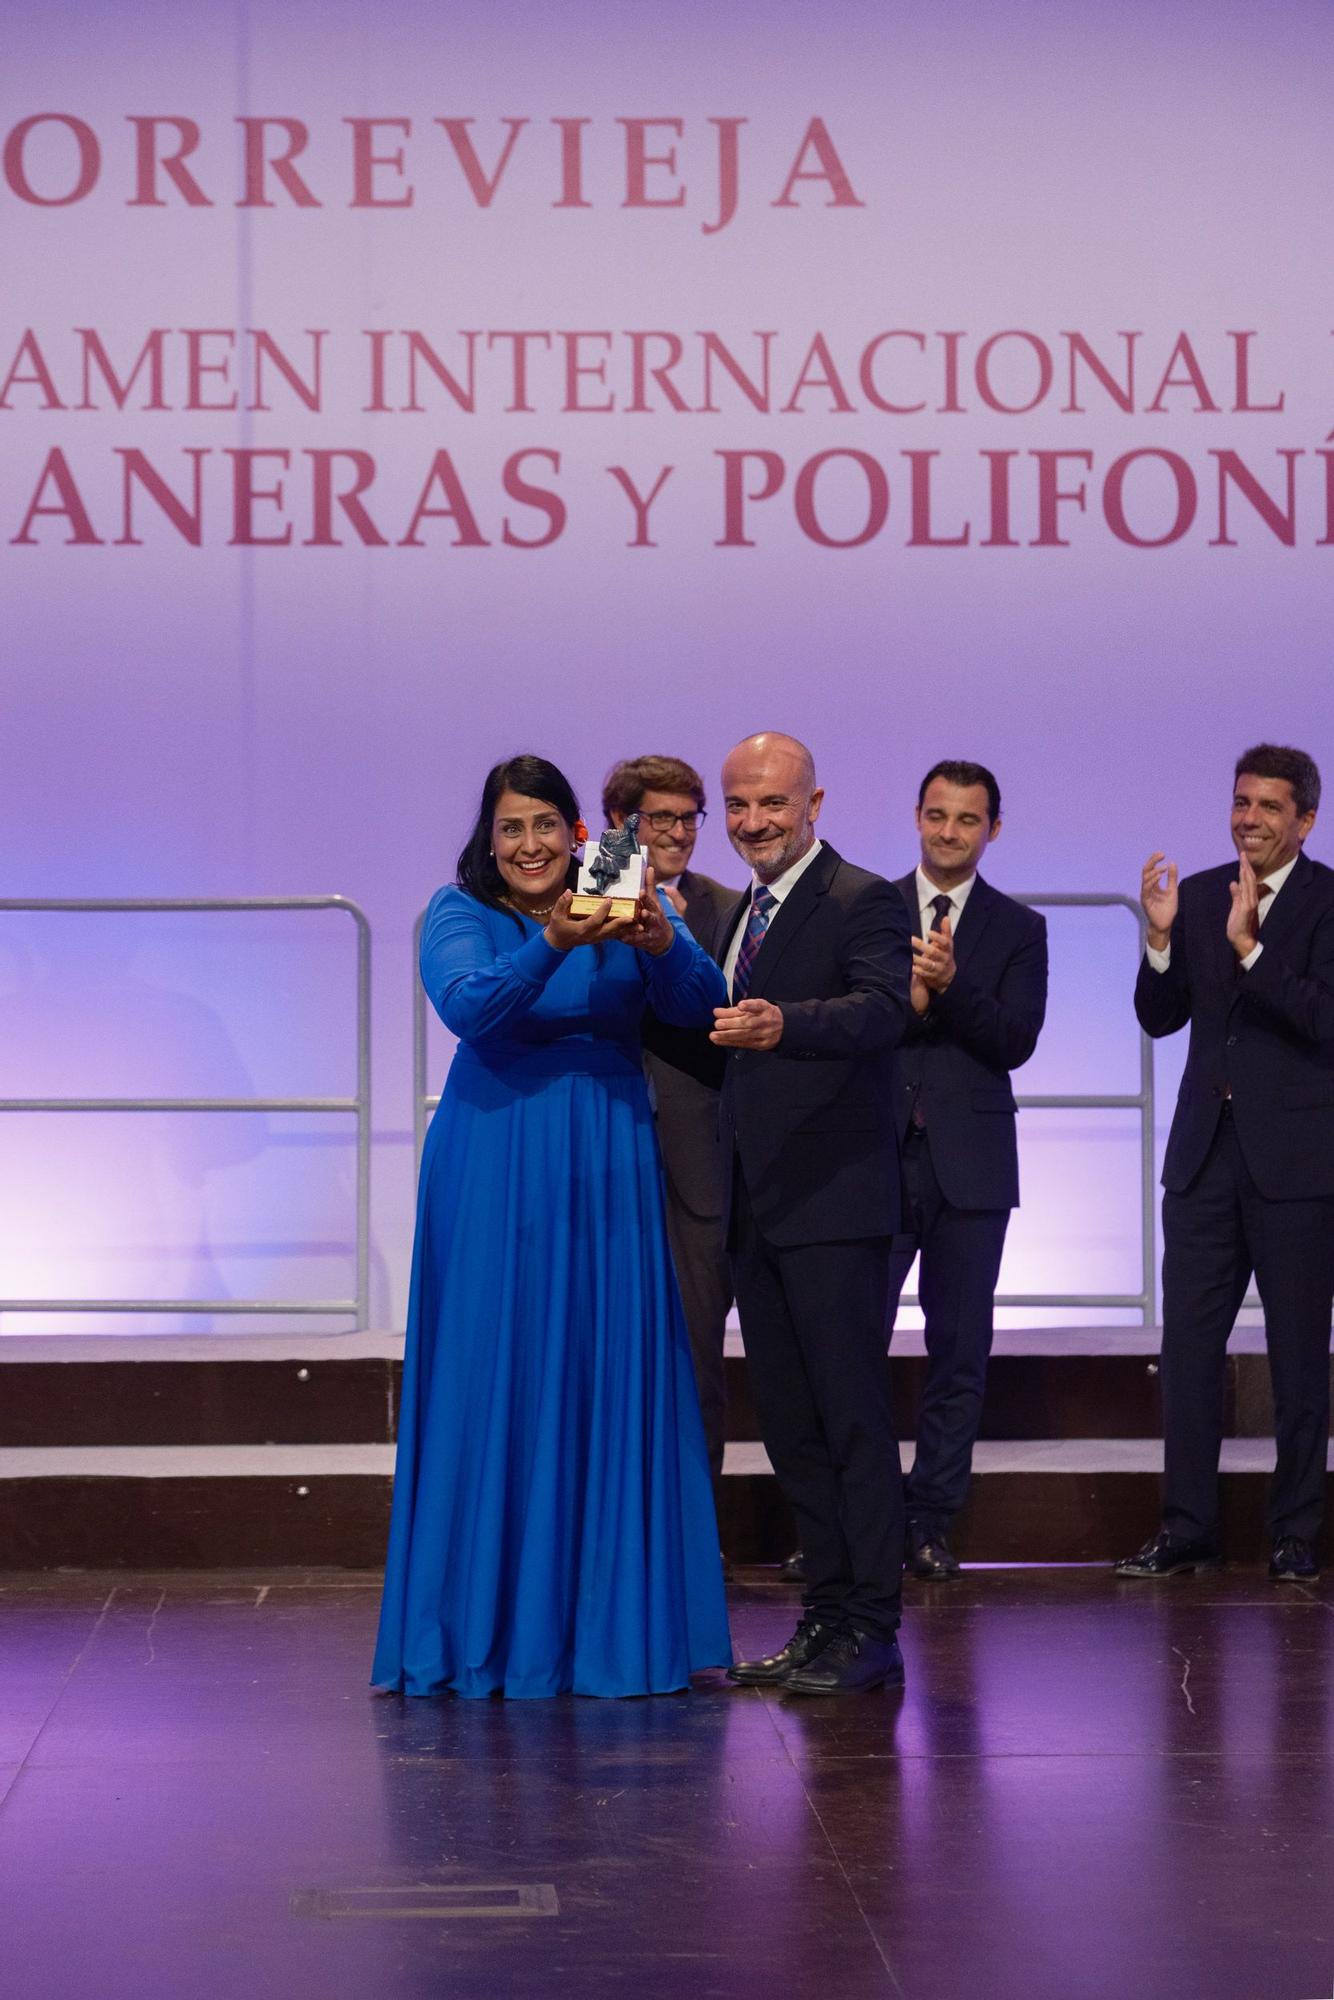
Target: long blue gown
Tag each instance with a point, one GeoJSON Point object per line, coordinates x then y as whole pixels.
{"type": "Point", "coordinates": [553, 1524]}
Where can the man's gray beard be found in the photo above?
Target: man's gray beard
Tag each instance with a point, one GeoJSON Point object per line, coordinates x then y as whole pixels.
{"type": "Point", "coordinates": [768, 871]}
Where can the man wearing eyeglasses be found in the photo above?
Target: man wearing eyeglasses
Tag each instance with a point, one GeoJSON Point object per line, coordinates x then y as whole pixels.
{"type": "Point", "coordinates": [668, 795]}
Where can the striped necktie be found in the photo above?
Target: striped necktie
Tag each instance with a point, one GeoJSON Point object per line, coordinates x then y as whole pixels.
{"type": "Point", "coordinates": [762, 905]}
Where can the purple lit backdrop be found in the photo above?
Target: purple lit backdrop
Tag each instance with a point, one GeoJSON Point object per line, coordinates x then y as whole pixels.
{"type": "Point", "coordinates": [223, 720]}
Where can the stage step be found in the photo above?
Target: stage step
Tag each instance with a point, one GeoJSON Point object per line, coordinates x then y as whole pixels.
{"type": "Point", "coordinates": [212, 1506]}
{"type": "Point", "coordinates": [214, 1450]}
{"type": "Point", "coordinates": [343, 1388]}
{"type": "Point", "coordinates": [1043, 1501]}
{"type": "Point", "coordinates": [172, 1389]}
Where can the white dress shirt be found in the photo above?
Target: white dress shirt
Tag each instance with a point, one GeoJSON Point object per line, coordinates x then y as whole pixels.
{"type": "Point", "coordinates": [1160, 960]}
{"type": "Point", "coordinates": [927, 891]}
{"type": "Point", "coordinates": [779, 889]}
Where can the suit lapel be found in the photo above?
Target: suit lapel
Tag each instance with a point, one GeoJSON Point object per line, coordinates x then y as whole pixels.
{"type": "Point", "coordinates": [1221, 954]}
{"type": "Point", "coordinates": [977, 914]}
{"type": "Point", "coordinates": [1277, 926]}
{"type": "Point", "coordinates": [907, 888]}
{"type": "Point", "coordinates": [790, 915]}
{"type": "Point", "coordinates": [699, 918]}
{"type": "Point", "coordinates": [1289, 903]}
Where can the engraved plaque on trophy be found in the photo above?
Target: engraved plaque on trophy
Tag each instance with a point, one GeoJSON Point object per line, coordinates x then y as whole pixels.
{"type": "Point", "coordinates": [615, 869]}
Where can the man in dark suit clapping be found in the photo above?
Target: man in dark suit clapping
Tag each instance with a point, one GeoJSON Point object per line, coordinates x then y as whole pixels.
{"type": "Point", "coordinates": [668, 795]}
{"type": "Point", "coordinates": [1244, 953]}
{"type": "Point", "coordinates": [979, 995]}
{"type": "Point", "coordinates": [817, 963]}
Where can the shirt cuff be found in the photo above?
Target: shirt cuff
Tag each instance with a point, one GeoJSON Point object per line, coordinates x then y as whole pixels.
{"type": "Point", "coordinates": [1159, 960]}
{"type": "Point", "coordinates": [1251, 957]}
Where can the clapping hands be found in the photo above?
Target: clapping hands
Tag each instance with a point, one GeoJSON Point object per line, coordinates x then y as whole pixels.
{"type": "Point", "coordinates": [1243, 919]}
{"type": "Point", "coordinates": [933, 966]}
{"type": "Point", "coordinates": [1158, 899]}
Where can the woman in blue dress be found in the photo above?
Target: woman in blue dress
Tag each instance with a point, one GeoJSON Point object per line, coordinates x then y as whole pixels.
{"type": "Point", "coordinates": [553, 1524]}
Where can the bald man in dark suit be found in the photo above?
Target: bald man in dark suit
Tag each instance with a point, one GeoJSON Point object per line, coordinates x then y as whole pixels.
{"type": "Point", "coordinates": [817, 962]}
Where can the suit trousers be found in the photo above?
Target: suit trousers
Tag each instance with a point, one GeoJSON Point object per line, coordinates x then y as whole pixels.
{"type": "Point", "coordinates": [704, 1276]}
{"type": "Point", "coordinates": [812, 1317]}
{"type": "Point", "coordinates": [960, 1252]}
{"type": "Point", "coordinates": [1217, 1233]}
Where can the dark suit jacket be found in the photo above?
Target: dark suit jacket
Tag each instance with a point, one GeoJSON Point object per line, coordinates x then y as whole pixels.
{"type": "Point", "coordinates": [685, 1080]}
{"type": "Point", "coordinates": [812, 1120]}
{"type": "Point", "coordinates": [959, 1054]}
{"type": "Point", "coordinates": [1267, 1034]}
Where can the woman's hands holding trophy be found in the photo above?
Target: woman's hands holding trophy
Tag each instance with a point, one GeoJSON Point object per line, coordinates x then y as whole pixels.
{"type": "Point", "coordinates": [563, 931]}
{"type": "Point", "coordinates": [648, 928]}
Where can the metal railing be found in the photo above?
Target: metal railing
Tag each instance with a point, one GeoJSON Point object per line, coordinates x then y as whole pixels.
{"type": "Point", "coordinates": [423, 1104]}
{"type": "Point", "coordinates": [1142, 1101]}
{"type": "Point", "coordinates": [358, 1105]}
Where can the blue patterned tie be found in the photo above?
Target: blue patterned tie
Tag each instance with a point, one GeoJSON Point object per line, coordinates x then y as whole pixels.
{"type": "Point", "coordinates": [762, 905]}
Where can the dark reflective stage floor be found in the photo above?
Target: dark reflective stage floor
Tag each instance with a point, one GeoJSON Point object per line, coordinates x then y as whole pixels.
{"type": "Point", "coordinates": [1088, 1790]}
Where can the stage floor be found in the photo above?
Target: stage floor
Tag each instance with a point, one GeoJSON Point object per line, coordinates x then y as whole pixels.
{"type": "Point", "coordinates": [1088, 1791]}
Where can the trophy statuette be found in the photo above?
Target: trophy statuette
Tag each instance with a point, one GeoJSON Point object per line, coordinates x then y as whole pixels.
{"type": "Point", "coordinates": [615, 869]}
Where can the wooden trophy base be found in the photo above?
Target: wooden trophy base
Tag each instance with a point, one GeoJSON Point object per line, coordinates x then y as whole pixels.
{"type": "Point", "coordinates": [584, 906]}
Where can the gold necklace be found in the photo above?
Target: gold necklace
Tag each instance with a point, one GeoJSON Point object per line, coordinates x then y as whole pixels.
{"type": "Point", "coordinates": [535, 915]}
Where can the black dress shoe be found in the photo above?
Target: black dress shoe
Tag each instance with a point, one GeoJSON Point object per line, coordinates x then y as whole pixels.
{"type": "Point", "coordinates": [809, 1639]}
{"type": "Point", "coordinates": [930, 1555]}
{"type": "Point", "coordinates": [850, 1664]}
{"type": "Point", "coordinates": [1165, 1555]}
{"type": "Point", "coordinates": [794, 1569]}
{"type": "Point", "coordinates": [1293, 1561]}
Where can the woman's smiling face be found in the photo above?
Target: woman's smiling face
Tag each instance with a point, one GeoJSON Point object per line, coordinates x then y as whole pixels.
{"type": "Point", "coordinates": [532, 846]}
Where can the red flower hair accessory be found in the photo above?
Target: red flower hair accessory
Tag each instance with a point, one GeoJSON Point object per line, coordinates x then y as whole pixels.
{"type": "Point", "coordinates": [580, 833]}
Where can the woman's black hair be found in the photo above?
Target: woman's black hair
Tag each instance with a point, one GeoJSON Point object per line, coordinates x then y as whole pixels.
{"type": "Point", "coordinates": [534, 778]}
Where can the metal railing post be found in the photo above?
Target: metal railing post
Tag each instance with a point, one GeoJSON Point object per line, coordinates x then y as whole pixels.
{"type": "Point", "coordinates": [422, 1102]}
{"type": "Point", "coordinates": [1148, 1162]}
{"type": "Point", "coordinates": [363, 1252]}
